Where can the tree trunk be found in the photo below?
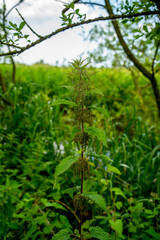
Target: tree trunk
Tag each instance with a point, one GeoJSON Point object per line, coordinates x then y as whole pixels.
{"type": "Point", "coordinates": [135, 61]}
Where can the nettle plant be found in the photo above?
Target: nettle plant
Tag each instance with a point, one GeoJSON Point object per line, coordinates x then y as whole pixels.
{"type": "Point", "coordinates": [82, 158]}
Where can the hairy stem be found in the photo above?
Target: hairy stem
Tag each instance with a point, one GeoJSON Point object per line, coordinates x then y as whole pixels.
{"type": "Point", "coordinates": [82, 156]}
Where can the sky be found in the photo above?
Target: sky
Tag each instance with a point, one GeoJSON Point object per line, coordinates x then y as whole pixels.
{"type": "Point", "coordinates": [44, 17]}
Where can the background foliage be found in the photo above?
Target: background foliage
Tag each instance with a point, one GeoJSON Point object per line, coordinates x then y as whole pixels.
{"type": "Point", "coordinates": [35, 137]}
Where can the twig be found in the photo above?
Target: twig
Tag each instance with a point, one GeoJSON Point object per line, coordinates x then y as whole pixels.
{"type": "Point", "coordinates": [155, 55]}
{"type": "Point", "coordinates": [39, 36]}
{"type": "Point", "coordinates": [68, 208]}
{"type": "Point", "coordinates": [6, 38]}
{"type": "Point", "coordinates": [95, 4]}
{"type": "Point", "coordinates": [10, 45]}
{"type": "Point", "coordinates": [86, 3]}
{"type": "Point", "coordinates": [43, 38]}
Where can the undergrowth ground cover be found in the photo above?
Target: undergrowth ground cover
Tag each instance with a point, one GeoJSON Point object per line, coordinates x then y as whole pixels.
{"type": "Point", "coordinates": [35, 136]}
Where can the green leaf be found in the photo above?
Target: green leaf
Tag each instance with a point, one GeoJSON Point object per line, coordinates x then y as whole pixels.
{"type": "Point", "coordinates": [117, 226]}
{"type": "Point", "coordinates": [145, 28]}
{"type": "Point", "coordinates": [98, 199]}
{"type": "Point", "coordinates": [105, 159]}
{"type": "Point", "coordinates": [104, 181]}
{"type": "Point", "coordinates": [102, 110]}
{"type": "Point", "coordinates": [47, 229]}
{"type": "Point", "coordinates": [152, 233]}
{"type": "Point", "coordinates": [119, 205]}
{"type": "Point", "coordinates": [67, 86]}
{"type": "Point", "coordinates": [72, 5]}
{"type": "Point", "coordinates": [99, 233]}
{"type": "Point", "coordinates": [61, 235]}
{"type": "Point", "coordinates": [88, 223]}
{"type": "Point", "coordinates": [32, 229]}
{"type": "Point", "coordinates": [148, 211]}
{"type": "Point", "coordinates": [13, 25]}
{"type": "Point", "coordinates": [22, 24]}
{"type": "Point", "coordinates": [118, 191]}
{"type": "Point", "coordinates": [97, 133]}
{"type": "Point", "coordinates": [65, 164]}
{"type": "Point", "coordinates": [113, 169]}
{"type": "Point", "coordinates": [26, 36]}
{"type": "Point", "coordinates": [77, 11]}
{"type": "Point", "coordinates": [74, 131]}
{"type": "Point", "coordinates": [124, 20]}
{"type": "Point", "coordinates": [63, 101]}
{"type": "Point", "coordinates": [124, 165]}
{"type": "Point", "coordinates": [95, 91]}
{"type": "Point", "coordinates": [70, 191]}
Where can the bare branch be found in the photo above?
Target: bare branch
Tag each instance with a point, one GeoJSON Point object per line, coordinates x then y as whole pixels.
{"type": "Point", "coordinates": [111, 17]}
{"type": "Point", "coordinates": [155, 55]}
{"type": "Point", "coordinates": [39, 36]}
{"type": "Point", "coordinates": [94, 4]}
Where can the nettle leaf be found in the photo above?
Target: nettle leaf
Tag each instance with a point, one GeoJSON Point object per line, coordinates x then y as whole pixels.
{"type": "Point", "coordinates": [88, 223]}
{"type": "Point", "coordinates": [48, 229]}
{"type": "Point", "coordinates": [64, 165]}
{"type": "Point", "coordinates": [22, 24]}
{"type": "Point", "coordinates": [102, 110]}
{"type": "Point", "coordinates": [63, 101]}
{"type": "Point", "coordinates": [99, 233]}
{"type": "Point", "coordinates": [74, 131]}
{"type": "Point", "coordinates": [152, 233]}
{"type": "Point", "coordinates": [97, 198]}
{"type": "Point", "coordinates": [67, 86]}
{"type": "Point", "coordinates": [105, 159]}
{"type": "Point", "coordinates": [104, 181]}
{"type": "Point", "coordinates": [95, 91]}
{"type": "Point", "coordinates": [118, 191]}
{"type": "Point", "coordinates": [119, 205]}
{"type": "Point", "coordinates": [117, 226]}
{"type": "Point", "coordinates": [113, 169]}
{"type": "Point", "coordinates": [100, 134]}
{"type": "Point", "coordinates": [61, 235]}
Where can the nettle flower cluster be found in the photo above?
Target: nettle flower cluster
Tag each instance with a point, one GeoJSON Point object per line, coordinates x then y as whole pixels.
{"type": "Point", "coordinates": [82, 113]}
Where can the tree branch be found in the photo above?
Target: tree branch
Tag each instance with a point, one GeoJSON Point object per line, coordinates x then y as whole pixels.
{"type": "Point", "coordinates": [39, 36]}
{"type": "Point", "coordinates": [10, 45]}
{"type": "Point", "coordinates": [86, 3]}
{"type": "Point", "coordinates": [111, 17]}
{"type": "Point", "coordinates": [95, 4]}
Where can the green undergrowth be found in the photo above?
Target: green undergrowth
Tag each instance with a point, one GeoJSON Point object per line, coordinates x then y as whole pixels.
{"type": "Point", "coordinates": [35, 136]}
